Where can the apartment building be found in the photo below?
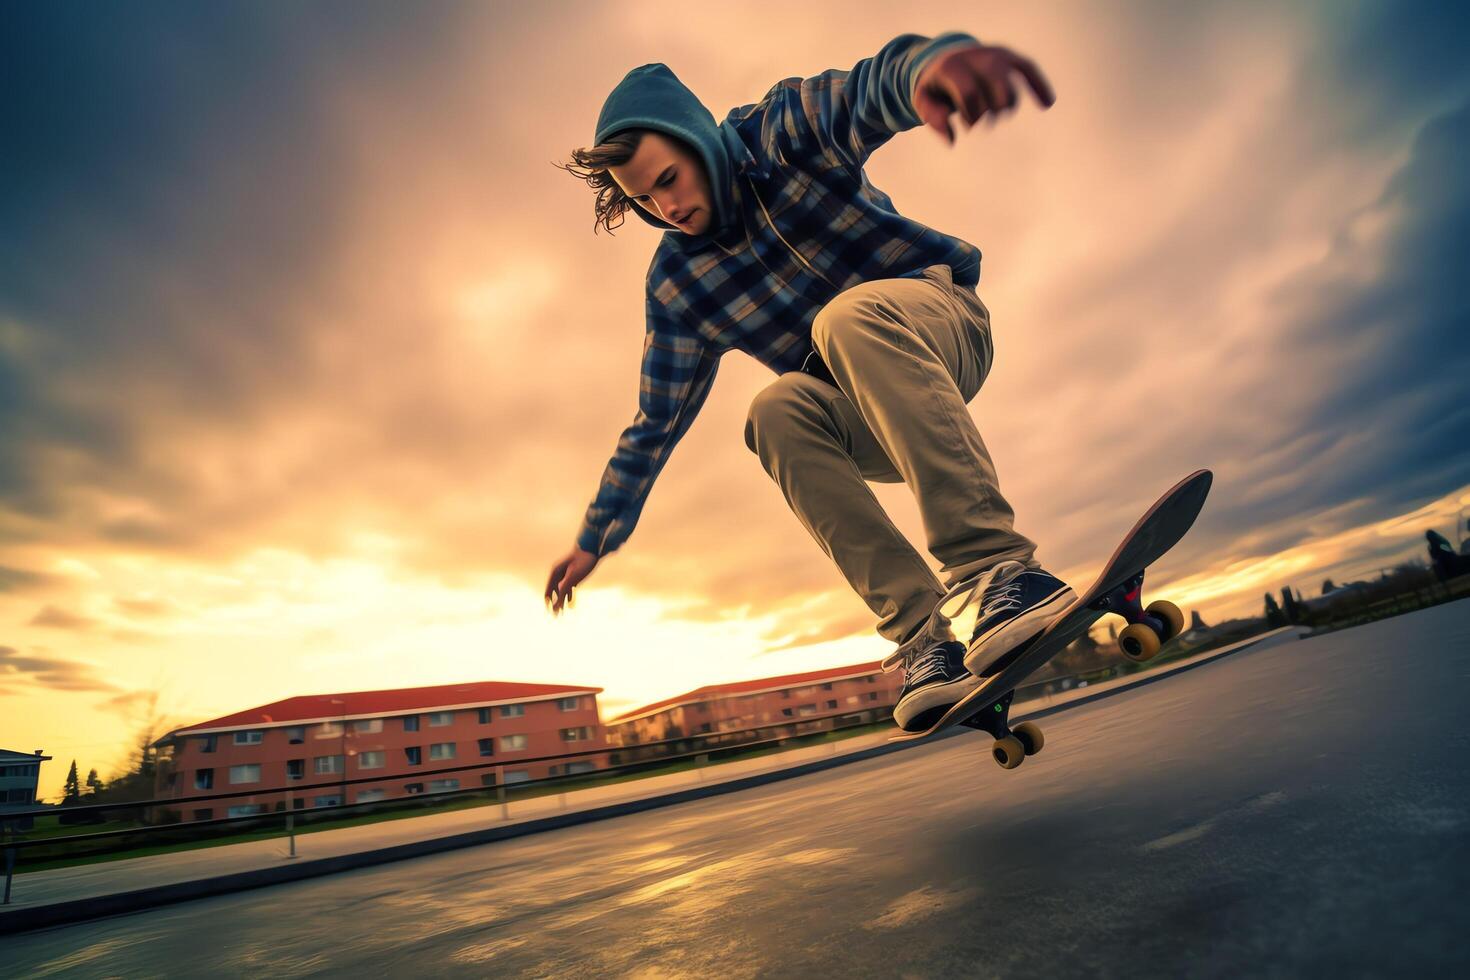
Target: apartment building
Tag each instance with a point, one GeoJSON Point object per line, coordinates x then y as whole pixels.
{"type": "Point", "coordinates": [811, 701]}
{"type": "Point", "coordinates": [309, 752]}
{"type": "Point", "coordinates": [19, 773]}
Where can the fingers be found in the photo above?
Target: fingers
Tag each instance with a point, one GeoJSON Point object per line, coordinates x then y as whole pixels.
{"type": "Point", "coordinates": [934, 108]}
{"type": "Point", "coordinates": [973, 100]}
{"type": "Point", "coordinates": [565, 595]}
{"type": "Point", "coordinates": [1036, 80]}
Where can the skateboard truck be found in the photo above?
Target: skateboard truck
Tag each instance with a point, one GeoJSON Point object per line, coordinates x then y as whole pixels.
{"type": "Point", "coordinates": [1011, 745]}
{"type": "Point", "coordinates": [1148, 627]}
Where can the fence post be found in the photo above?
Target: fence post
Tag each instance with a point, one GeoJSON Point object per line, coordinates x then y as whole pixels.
{"type": "Point", "coordinates": [291, 821]}
{"type": "Point", "coordinates": [6, 832]}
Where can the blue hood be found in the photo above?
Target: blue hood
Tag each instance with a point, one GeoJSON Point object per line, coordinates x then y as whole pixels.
{"type": "Point", "coordinates": [652, 97]}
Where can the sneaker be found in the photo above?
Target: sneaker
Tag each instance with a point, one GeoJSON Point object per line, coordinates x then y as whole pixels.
{"type": "Point", "coordinates": [934, 679]}
{"type": "Point", "coordinates": [1016, 603]}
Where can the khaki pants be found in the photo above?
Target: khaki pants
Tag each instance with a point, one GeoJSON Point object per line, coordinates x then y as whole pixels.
{"type": "Point", "coordinates": [907, 355]}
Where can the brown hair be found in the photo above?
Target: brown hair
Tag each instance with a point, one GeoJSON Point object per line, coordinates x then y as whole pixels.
{"type": "Point", "coordinates": [592, 166]}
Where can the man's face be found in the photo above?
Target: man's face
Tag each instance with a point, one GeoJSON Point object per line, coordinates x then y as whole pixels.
{"type": "Point", "coordinates": [668, 181]}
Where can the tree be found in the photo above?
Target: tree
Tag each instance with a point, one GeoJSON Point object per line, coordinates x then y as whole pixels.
{"type": "Point", "coordinates": [1289, 607]}
{"type": "Point", "coordinates": [93, 782]}
{"type": "Point", "coordinates": [1328, 586]}
{"type": "Point", "coordinates": [1274, 616]}
{"type": "Point", "coordinates": [73, 791]}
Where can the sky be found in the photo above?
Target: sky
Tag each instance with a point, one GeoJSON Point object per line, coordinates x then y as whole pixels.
{"type": "Point", "coordinates": [310, 359]}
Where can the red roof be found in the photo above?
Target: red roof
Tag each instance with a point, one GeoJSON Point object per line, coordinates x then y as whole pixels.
{"type": "Point", "coordinates": [746, 687]}
{"type": "Point", "coordinates": [364, 704]}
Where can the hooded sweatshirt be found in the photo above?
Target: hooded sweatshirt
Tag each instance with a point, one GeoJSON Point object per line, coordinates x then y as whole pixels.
{"type": "Point", "coordinates": [795, 222]}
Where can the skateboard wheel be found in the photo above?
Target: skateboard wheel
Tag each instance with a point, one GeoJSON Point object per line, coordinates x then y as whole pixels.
{"type": "Point", "coordinates": [1170, 614]}
{"type": "Point", "coordinates": [1029, 736]}
{"type": "Point", "coordinates": [1138, 642]}
{"type": "Point", "coordinates": [1008, 752]}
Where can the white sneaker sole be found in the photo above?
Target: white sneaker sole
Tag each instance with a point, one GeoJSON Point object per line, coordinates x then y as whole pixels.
{"type": "Point", "coordinates": [931, 697]}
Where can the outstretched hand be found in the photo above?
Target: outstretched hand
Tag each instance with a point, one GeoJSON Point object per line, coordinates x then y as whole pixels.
{"type": "Point", "coordinates": [975, 81]}
{"type": "Point", "coordinates": [569, 570]}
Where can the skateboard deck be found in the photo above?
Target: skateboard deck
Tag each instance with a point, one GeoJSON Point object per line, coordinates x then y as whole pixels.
{"type": "Point", "coordinates": [1117, 589]}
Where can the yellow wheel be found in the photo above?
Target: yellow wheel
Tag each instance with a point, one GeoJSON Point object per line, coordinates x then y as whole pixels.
{"type": "Point", "coordinates": [1029, 736]}
{"type": "Point", "coordinates": [1169, 613]}
{"type": "Point", "coordinates": [1139, 642]}
{"type": "Point", "coordinates": [1008, 752]}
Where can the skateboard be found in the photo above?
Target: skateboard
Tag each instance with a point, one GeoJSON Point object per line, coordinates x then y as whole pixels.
{"type": "Point", "coordinates": [1118, 589]}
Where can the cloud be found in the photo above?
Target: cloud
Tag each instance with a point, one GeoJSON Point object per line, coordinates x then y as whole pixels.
{"type": "Point", "coordinates": [363, 305]}
{"type": "Point", "coordinates": [56, 618]}
{"type": "Point", "coordinates": [49, 672]}
{"type": "Point", "coordinates": [18, 580]}
{"type": "Point", "coordinates": [128, 704]}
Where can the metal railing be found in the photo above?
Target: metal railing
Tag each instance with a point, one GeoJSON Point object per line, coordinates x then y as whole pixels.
{"type": "Point", "coordinates": [289, 813]}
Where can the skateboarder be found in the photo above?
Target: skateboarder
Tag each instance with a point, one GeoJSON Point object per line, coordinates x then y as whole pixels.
{"type": "Point", "coordinates": [778, 246]}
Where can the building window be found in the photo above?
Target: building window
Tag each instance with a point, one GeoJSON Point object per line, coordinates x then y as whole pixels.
{"type": "Point", "coordinates": [249, 738]}
{"type": "Point", "coordinates": [704, 727]}
{"type": "Point", "coordinates": [245, 774]}
{"type": "Point", "coordinates": [207, 743]}
{"type": "Point", "coordinates": [487, 779]}
{"type": "Point", "coordinates": [576, 734]}
{"type": "Point", "coordinates": [786, 694]}
{"type": "Point", "coordinates": [575, 767]}
{"type": "Point", "coordinates": [204, 813]}
{"type": "Point", "coordinates": [413, 789]}
{"type": "Point", "coordinates": [485, 715]}
{"type": "Point", "coordinates": [443, 785]}
{"type": "Point", "coordinates": [410, 723]}
{"type": "Point", "coordinates": [872, 679]}
{"type": "Point", "coordinates": [827, 686]}
{"type": "Point", "coordinates": [517, 776]}
{"type": "Point", "coordinates": [441, 750]}
{"type": "Point", "coordinates": [367, 726]}
{"type": "Point", "coordinates": [329, 729]}
{"type": "Point", "coordinates": [511, 743]}
{"type": "Point", "coordinates": [334, 800]}
{"type": "Point", "coordinates": [852, 699]}
{"type": "Point", "coordinates": [295, 768]}
{"type": "Point", "coordinates": [806, 709]}
{"type": "Point", "coordinates": [247, 809]}
{"type": "Point", "coordinates": [370, 795]}
{"type": "Point", "coordinates": [328, 765]}
{"type": "Point", "coordinates": [204, 779]}
{"type": "Point", "coordinates": [831, 704]}
{"type": "Point", "coordinates": [512, 711]}
{"type": "Point", "coordinates": [296, 734]}
{"type": "Point", "coordinates": [415, 755]}
{"type": "Point", "coordinates": [487, 746]}
{"type": "Point", "coordinates": [872, 695]}
{"type": "Point", "coordinates": [786, 712]}
{"type": "Point", "coordinates": [370, 760]}
{"type": "Point", "coordinates": [438, 719]}
{"type": "Point", "coordinates": [569, 704]}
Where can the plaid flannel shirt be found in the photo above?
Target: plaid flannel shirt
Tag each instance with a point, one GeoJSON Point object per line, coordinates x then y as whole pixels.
{"type": "Point", "coordinates": [810, 225]}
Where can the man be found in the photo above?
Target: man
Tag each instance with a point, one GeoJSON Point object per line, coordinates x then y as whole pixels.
{"type": "Point", "coordinates": [777, 245]}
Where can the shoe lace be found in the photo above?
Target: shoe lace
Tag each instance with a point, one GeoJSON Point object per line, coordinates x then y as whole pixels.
{"type": "Point", "coordinates": [922, 666]}
{"type": "Point", "coordinates": [1003, 598]}
{"type": "Point", "coordinates": [974, 589]}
